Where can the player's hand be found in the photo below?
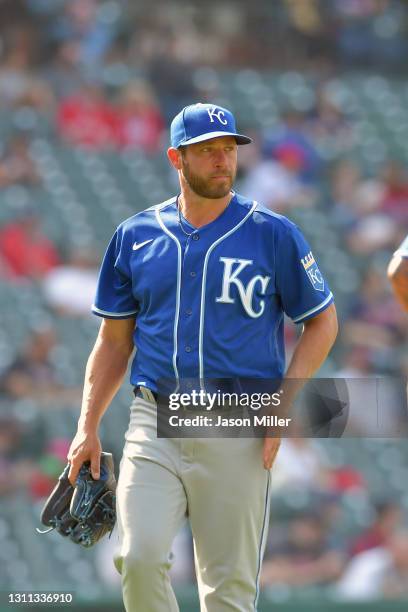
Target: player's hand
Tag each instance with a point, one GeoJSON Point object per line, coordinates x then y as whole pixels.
{"type": "Point", "coordinates": [270, 450]}
{"type": "Point", "coordinates": [84, 447]}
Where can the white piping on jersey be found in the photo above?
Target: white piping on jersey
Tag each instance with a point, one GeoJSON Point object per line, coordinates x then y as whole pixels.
{"type": "Point", "coordinates": [264, 532]}
{"type": "Point", "coordinates": [178, 289]}
{"type": "Point", "coordinates": [112, 314]}
{"type": "Point", "coordinates": [315, 309]}
{"type": "Point", "coordinates": [202, 306]}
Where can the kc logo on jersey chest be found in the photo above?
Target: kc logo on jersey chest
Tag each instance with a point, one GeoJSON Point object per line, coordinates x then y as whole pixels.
{"type": "Point", "coordinates": [232, 269]}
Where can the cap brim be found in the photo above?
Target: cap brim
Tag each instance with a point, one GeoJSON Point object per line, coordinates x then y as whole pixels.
{"type": "Point", "coordinates": [240, 138]}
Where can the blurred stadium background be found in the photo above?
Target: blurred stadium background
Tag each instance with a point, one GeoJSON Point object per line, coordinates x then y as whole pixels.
{"type": "Point", "coordinates": [87, 88]}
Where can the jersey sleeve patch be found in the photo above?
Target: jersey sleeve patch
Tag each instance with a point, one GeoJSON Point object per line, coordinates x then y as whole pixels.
{"type": "Point", "coordinates": [300, 285]}
{"type": "Point", "coordinates": [313, 273]}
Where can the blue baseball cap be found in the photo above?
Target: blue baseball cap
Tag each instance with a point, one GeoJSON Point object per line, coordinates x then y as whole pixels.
{"type": "Point", "coordinates": [199, 122]}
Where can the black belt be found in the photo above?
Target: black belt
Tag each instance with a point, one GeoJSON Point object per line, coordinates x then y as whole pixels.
{"type": "Point", "coordinates": [147, 394]}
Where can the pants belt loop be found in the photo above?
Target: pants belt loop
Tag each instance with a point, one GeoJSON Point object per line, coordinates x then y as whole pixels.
{"type": "Point", "coordinates": [147, 394]}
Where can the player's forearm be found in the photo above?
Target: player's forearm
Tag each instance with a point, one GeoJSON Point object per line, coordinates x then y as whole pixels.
{"type": "Point", "coordinates": [312, 349]}
{"type": "Point", "coordinates": [314, 345]}
{"type": "Point", "coordinates": [104, 374]}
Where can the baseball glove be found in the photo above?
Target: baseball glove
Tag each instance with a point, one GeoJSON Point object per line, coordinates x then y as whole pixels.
{"type": "Point", "coordinates": [86, 512]}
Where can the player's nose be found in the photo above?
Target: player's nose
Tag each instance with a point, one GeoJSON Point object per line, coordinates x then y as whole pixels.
{"type": "Point", "coordinates": [220, 159]}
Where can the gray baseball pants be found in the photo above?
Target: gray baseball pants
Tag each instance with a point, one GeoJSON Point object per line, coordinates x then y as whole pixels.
{"type": "Point", "coordinates": [220, 486]}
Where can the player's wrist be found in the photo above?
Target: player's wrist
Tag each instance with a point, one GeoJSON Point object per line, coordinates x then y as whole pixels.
{"type": "Point", "coordinates": [88, 427]}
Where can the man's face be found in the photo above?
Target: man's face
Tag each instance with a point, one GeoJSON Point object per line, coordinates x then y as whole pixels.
{"type": "Point", "coordinates": [210, 167]}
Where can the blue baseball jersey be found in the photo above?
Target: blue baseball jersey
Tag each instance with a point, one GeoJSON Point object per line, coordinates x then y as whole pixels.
{"type": "Point", "coordinates": [403, 249]}
{"type": "Point", "coordinates": [211, 304]}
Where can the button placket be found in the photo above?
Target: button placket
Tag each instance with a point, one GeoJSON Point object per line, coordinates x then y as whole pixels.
{"type": "Point", "coordinates": [188, 327]}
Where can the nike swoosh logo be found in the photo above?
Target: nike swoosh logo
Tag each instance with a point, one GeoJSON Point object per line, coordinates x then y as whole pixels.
{"type": "Point", "coordinates": [139, 245]}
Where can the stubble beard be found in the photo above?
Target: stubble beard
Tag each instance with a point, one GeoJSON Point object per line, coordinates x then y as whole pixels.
{"type": "Point", "coordinates": [207, 188]}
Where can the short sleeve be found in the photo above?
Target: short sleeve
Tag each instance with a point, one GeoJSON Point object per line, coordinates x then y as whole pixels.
{"type": "Point", "coordinates": [303, 291]}
{"type": "Point", "coordinates": [114, 298]}
{"type": "Point", "coordinates": [403, 249]}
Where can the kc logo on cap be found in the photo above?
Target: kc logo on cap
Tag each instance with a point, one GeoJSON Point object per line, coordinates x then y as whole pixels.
{"type": "Point", "coordinates": [212, 113]}
{"type": "Point", "coordinates": [199, 122]}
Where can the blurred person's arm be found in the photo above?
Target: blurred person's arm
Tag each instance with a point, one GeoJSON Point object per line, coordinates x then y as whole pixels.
{"type": "Point", "coordinates": [283, 570]}
{"type": "Point", "coordinates": [395, 585]}
{"type": "Point", "coordinates": [327, 568]}
{"type": "Point", "coordinates": [363, 577]}
{"type": "Point", "coordinates": [104, 374]}
{"type": "Point", "coordinates": [398, 275]}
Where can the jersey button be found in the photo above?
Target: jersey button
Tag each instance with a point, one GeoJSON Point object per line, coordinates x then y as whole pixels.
{"type": "Point", "coordinates": [196, 237]}
{"type": "Point", "coordinates": [193, 274]}
{"type": "Point", "coordinates": [189, 311]}
{"type": "Point", "coordinates": [188, 349]}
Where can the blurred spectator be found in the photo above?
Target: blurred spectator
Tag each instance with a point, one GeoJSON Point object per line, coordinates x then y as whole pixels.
{"type": "Point", "coordinates": [347, 479]}
{"type": "Point", "coordinates": [356, 363]}
{"type": "Point", "coordinates": [285, 177]}
{"type": "Point", "coordinates": [378, 573]}
{"type": "Point", "coordinates": [172, 78]}
{"type": "Point", "coordinates": [300, 464]}
{"type": "Point", "coordinates": [290, 142]}
{"type": "Point", "coordinates": [82, 21]}
{"type": "Point", "coordinates": [48, 468]}
{"type": "Point", "coordinates": [276, 184]}
{"type": "Point", "coordinates": [395, 198]}
{"type": "Point", "coordinates": [70, 289]}
{"type": "Point", "coordinates": [15, 69]}
{"type": "Point", "coordinates": [345, 181]}
{"type": "Point", "coordinates": [33, 374]}
{"type": "Point", "coordinates": [388, 518]}
{"type": "Point", "coordinates": [16, 164]}
{"type": "Point", "coordinates": [374, 319]}
{"type": "Point", "coordinates": [370, 32]}
{"type": "Point", "coordinates": [20, 85]}
{"type": "Point", "coordinates": [140, 124]}
{"type": "Point", "coordinates": [372, 230]}
{"type": "Point", "coordinates": [365, 208]}
{"type": "Point", "coordinates": [25, 252]}
{"type": "Point", "coordinates": [64, 72]}
{"type": "Point", "coordinates": [10, 441]}
{"type": "Point", "coordinates": [38, 97]}
{"type": "Point", "coordinates": [308, 27]}
{"type": "Point", "coordinates": [280, 182]}
{"type": "Point", "coordinates": [357, 370]}
{"type": "Point", "coordinates": [87, 119]}
{"type": "Point", "coordinates": [328, 127]}
{"type": "Point", "coordinates": [306, 556]}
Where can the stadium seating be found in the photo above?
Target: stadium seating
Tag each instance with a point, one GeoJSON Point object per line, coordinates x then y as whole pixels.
{"type": "Point", "coordinates": [85, 195]}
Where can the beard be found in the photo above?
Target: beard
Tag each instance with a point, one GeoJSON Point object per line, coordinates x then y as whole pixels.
{"type": "Point", "coordinates": [208, 187]}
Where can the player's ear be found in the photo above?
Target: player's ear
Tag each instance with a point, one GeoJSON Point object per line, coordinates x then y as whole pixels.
{"type": "Point", "coordinates": [174, 156]}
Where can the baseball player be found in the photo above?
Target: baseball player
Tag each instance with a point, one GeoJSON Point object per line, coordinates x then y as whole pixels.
{"type": "Point", "coordinates": [200, 285]}
{"type": "Point", "coordinates": [398, 273]}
